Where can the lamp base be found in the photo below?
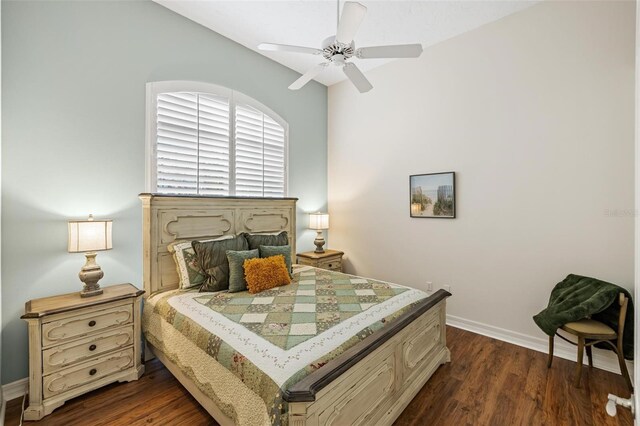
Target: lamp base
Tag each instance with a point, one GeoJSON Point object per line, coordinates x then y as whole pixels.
{"type": "Point", "coordinates": [319, 242]}
{"type": "Point", "coordinates": [90, 274]}
{"type": "Point", "coordinates": [90, 293]}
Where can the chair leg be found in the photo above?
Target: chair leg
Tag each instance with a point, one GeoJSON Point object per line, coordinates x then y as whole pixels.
{"type": "Point", "coordinates": [580, 360]}
{"type": "Point", "coordinates": [590, 356]}
{"type": "Point", "coordinates": [624, 371]}
{"type": "Point", "coordinates": [550, 351]}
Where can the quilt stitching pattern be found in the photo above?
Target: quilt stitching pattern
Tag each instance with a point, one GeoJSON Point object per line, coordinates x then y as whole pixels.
{"type": "Point", "coordinates": [315, 302]}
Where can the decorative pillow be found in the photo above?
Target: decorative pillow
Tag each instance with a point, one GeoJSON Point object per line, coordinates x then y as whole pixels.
{"type": "Point", "coordinates": [236, 268]}
{"type": "Point", "coordinates": [265, 273]}
{"type": "Point", "coordinates": [257, 240]}
{"type": "Point", "coordinates": [212, 260]}
{"type": "Point", "coordinates": [189, 274]}
{"type": "Point", "coordinates": [268, 251]}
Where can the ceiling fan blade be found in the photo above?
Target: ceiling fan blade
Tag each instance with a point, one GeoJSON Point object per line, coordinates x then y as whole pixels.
{"type": "Point", "coordinates": [352, 16]}
{"type": "Point", "coordinates": [308, 76]}
{"type": "Point", "coordinates": [396, 51]}
{"type": "Point", "coordinates": [287, 48]}
{"type": "Point", "coordinates": [357, 78]}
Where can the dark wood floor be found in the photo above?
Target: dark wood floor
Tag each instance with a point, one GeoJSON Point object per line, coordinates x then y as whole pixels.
{"type": "Point", "coordinates": [488, 382]}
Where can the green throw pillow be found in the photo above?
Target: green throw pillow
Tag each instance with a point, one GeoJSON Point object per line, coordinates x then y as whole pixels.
{"type": "Point", "coordinates": [257, 240]}
{"type": "Point", "coordinates": [186, 260]}
{"type": "Point", "coordinates": [236, 259]}
{"type": "Point", "coordinates": [213, 263]}
{"type": "Point", "coordinates": [268, 251]}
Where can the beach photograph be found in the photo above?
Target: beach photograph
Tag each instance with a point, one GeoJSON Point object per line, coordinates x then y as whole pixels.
{"type": "Point", "coordinates": [433, 195]}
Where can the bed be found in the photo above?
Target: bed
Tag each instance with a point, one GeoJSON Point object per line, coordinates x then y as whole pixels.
{"type": "Point", "coordinates": [330, 348]}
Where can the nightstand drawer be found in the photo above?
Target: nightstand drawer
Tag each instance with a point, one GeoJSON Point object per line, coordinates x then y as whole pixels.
{"type": "Point", "coordinates": [329, 259]}
{"type": "Point", "coordinates": [61, 356]}
{"type": "Point", "coordinates": [87, 372]}
{"type": "Point", "coordinates": [78, 326]}
{"type": "Point", "coordinates": [308, 262]}
{"type": "Point", "coordinates": [334, 264]}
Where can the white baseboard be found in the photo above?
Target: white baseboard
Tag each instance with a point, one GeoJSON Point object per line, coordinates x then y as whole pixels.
{"type": "Point", "coordinates": [602, 359]}
{"type": "Point", "coordinates": [14, 390]}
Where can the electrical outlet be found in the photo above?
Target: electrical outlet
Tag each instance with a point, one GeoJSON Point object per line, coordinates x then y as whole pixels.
{"type": "Point", "coordinates": [447, 288]}
{"type": "Point", "coordinates": [429, 286]}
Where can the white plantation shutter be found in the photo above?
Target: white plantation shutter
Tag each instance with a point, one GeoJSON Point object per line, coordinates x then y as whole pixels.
{"type": "Point", "coordinates": [177, 143]}
{"type": "Point", "coordinates": [274, 158]}
{"type": "Point", "coordinates": [260, 154]}
{"type": "Point", "coordinates": [214, 145]}
{"type": "Point", "coordinates": [210, 144]}
{"type": "Point", "coordinates": [192, 148]}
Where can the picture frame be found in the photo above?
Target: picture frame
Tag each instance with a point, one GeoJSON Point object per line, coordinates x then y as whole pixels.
{"type": "Point", "coordinates": [432, 195]}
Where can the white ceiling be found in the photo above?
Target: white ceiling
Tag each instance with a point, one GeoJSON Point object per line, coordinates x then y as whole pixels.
{"type": "Point", "coordinates": [308, 22]}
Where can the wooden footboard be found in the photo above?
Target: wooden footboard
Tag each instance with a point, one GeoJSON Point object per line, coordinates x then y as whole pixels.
{"type": "Point", "coordinates": [375, 380]}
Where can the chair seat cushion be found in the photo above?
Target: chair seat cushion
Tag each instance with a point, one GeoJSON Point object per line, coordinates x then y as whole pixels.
{"type": "Point", "coordinates": [589, 326]}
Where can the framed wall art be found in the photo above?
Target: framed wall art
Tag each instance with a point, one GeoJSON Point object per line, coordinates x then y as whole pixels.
{"type": "Point", "coordinates": [433, 195]}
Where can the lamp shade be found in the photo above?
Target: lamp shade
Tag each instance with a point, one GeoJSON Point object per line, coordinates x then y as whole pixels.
{"type": "Point", "coordinates": [319, 221]}
{"type": "Point", "coordinates": [89, 235]}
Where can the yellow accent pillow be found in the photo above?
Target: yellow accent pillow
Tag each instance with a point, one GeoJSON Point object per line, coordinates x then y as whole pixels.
{"type": "Point", "coordinates": [265, 273]}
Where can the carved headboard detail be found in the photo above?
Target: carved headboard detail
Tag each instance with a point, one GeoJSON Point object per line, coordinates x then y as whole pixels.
{"type": "Point", "coordinates": [167, 219]}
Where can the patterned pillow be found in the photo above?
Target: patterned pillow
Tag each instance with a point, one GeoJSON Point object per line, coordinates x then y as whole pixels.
{"type": "Point", "coordinates": [268, 251]}
{"type": "Point", "coordinates": [189, 274]}
{"type": "Point", "coordinates": [257, 240]}
{"type": "Point", "coordinates": [212, 260]}
{"type": "Point", "coordinates": [236, 268]}
{"type": "Point", "coordinates": [265, 273]}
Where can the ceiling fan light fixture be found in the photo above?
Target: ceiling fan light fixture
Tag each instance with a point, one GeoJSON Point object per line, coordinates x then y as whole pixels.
{"type": "Point", "coordinates": [338, 59]}
{"type": "Point", "coordinates": [339, 49]}
{"type": "Point", "coordinates": [335, 48]}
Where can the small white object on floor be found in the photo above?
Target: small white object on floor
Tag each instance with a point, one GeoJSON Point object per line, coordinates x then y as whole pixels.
{"type": "Point", "coordinates": [623, 402]}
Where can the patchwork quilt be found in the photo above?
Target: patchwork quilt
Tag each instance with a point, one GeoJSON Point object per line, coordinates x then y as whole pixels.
{"type": "Point", "coordinates": [273, 339]}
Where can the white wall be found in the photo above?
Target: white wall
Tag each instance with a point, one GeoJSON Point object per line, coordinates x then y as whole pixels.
{"type": "Point", "coordinates": [535, 113]}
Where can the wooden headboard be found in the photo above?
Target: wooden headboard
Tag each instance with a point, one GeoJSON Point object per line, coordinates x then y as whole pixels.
{"type": "Point", "coordinates": [167, 219]}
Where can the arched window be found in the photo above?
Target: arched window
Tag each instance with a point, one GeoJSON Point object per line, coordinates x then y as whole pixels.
{"type": "Point", "coordinates": [204, 139]}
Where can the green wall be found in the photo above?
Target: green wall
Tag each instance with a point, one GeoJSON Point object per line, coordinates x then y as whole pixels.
{"type": "Point", "coordinates": [73, 115]}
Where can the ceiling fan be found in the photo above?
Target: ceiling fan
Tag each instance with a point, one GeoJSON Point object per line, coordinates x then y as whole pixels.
{"type": "Point", "coordinates": [338, 49]}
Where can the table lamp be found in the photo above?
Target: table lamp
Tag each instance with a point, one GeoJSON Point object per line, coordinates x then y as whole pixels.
{"type": "Point", "coordinates": [319, 221]}
{"type": "Point", "coordinates": [89, 236]}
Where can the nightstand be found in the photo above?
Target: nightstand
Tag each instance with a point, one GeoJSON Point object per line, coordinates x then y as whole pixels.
{"type": "Point", "coordinates": [79, 344]}
{"type": "Point", "coordinates": [330, 259]}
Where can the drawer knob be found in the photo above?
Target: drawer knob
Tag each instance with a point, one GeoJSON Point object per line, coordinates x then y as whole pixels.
{"type": "Point", "coordinates": [330, 265]}
{"type": "Point", "coordinates": [92, 347]}
{"type": "Point", "coordinates": [92, 323]}
{"type": "Point", "coordinates": [92, 372]}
